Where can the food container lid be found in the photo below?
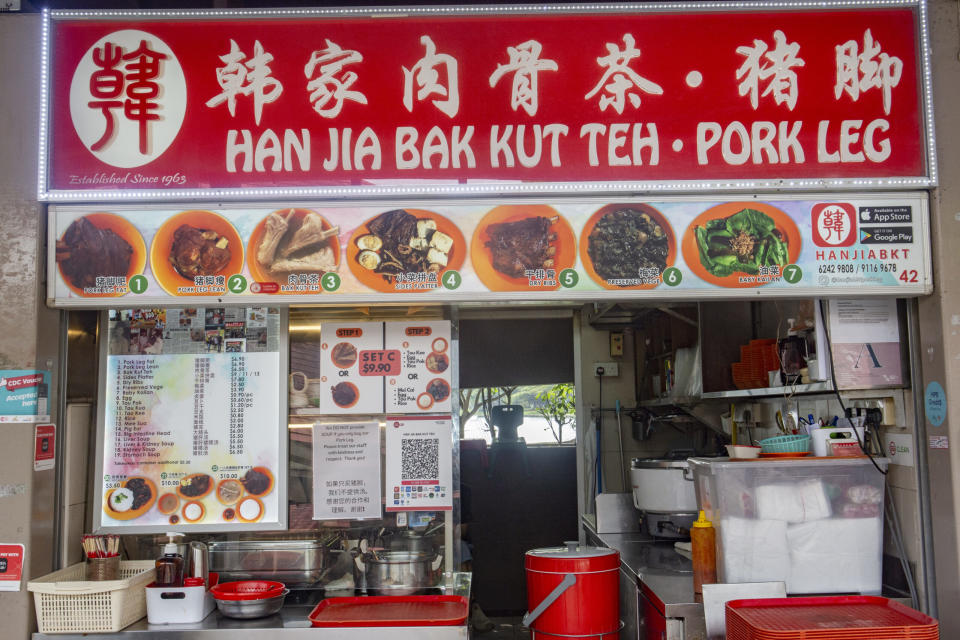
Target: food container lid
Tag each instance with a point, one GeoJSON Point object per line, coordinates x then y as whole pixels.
{"type": "Point", "coordinates": [193, 582]}
{"type": "Point", "coordinates": [573, 557]}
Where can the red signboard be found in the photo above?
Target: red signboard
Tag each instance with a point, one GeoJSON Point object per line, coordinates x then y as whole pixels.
{"type": "Point", "coordinates": [385, 362]}
{"type": "Point", "coordinates": [174, 107]}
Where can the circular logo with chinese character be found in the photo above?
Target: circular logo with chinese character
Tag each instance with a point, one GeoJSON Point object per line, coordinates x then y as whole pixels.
{"type": "Point", "coordinates": [128, 98]}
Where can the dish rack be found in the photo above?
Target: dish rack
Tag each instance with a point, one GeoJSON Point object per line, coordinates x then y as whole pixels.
{"type": "Point", "coordinates": [66, 603]}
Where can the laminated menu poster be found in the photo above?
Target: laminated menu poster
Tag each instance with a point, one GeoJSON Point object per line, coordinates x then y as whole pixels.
{"type": "Point", "coordinates": [346, 470]}
{"type": "Point", "coordinates": [373, 367]}
{"type": "Point", "coordinates": [419, 474]}
{"type": "Point", "coordinates": [423, 382]}
{"type": "Point", "coordinates": [345, 387]}
{"type": "Point", "coordinates": [192, 441]}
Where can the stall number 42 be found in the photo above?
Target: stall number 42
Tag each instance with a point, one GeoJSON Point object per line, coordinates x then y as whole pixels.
{"type": "Point", "coordinates": [909, 276]}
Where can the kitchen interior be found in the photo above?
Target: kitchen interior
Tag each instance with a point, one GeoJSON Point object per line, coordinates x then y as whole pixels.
{"type": "Point", "coordinates": [655, 387]}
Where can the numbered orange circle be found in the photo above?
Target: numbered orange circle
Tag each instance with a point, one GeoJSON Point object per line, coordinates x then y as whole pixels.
{"type": "Point", "coordinates": [105, 222]}
{"type": "Point", "coordinates": [161, 250]}
{"type": "Point", "coordinates": [784, 225]}
{"type": "Point", "coordinates": [598, 216]}
{"type": "Point", "coordinates": [293, 219]}
{"type": "Point", "coordinates": [564, 245]}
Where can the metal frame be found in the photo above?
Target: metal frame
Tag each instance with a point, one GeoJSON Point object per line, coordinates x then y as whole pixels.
{"type": "Point", "coordinates": [280, 487]}
{"type": "Point", "coordinates": [451, 188]}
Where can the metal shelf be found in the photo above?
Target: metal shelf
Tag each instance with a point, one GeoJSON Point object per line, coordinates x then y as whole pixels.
{"type": "Point", "coordinates": [682, 401]}
{"type": "Point", "coordinates": [770, 392]}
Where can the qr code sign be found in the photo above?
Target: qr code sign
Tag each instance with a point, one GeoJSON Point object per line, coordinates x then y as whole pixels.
{"type": "Point", "coordinates": [419, 459]}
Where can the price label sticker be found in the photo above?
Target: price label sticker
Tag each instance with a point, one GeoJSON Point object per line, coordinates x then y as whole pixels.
{"type": "Point", "coordinates": [383, 362]}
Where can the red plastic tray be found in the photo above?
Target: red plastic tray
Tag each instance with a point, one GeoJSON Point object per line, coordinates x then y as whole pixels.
{"type": "Point", "coordinates": [827, 618]}
{"type": "Point", "coordinates": [391, 611]}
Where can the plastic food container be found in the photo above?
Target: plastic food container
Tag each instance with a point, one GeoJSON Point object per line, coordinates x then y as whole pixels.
{"type": "Point", "coordinates": [815, 524]}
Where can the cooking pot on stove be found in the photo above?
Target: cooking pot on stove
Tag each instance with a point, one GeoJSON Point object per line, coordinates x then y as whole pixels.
{"type": "Point", "coordinates": [398, 573]}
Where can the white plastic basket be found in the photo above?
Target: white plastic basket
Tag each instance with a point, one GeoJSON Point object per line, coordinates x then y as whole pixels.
{"type": "Point", "coordinates": [66, 603]}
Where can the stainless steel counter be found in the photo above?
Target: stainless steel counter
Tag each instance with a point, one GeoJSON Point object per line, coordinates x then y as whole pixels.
{"type": "Point", "coordinates": [663, 576]}
{"type": "Point", "coordinates": [291, 622]}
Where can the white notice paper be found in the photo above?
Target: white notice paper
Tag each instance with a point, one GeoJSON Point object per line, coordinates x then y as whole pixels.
{"type": "Point", "coordinates": [419, 463]}
{"type": "Point", "coordinates": [346, 470]}
{"type": "Point", "coordinates": [423, 383]}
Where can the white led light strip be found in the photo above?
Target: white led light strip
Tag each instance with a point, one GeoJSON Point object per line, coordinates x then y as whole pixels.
{"type": "Point", "coordinates": [489, 188]}
{"type": "Point", "coordinates": [629, 7]}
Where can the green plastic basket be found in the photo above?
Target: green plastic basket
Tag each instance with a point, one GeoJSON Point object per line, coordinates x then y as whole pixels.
{"type": "Point", "coordinates": [785, 444]}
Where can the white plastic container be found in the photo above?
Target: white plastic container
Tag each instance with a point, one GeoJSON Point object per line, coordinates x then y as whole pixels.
{"type": "Point", "coordinates": [815, 524]}
{"type": "Point", "coordinates": [170, 605]}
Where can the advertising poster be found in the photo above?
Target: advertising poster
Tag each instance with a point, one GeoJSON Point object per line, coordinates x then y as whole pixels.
{"type": "Point", "coordinates": [580, 248]}
{"type": "Point", "coordinates": [24, 395]}
{"type": "Point", "coordinates": [45, 450]}
{"type": "Point", "coordinates": [344, 386]}
{"type": "Point", "coordinates": [422, 384]}
{"type": "Point", "coordinates": [11, 566]}
{"type": "Point", "coordinates": [192, 437]}
{"type": "Point", "coordinates": [346, 471]}
{"type": "Point", "coordinates": [419, 474]}
{"type": "Point", "coordinates": [865, 342]}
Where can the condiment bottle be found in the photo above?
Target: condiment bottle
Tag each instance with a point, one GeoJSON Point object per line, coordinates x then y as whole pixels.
{"type": "Point", "coordinates": [170, 566]}
{"type": "Point", "coordinates": [703, 544]}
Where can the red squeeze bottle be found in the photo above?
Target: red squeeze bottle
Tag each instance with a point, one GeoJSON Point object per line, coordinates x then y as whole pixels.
{"type": "Point", "coordinates": [703, 544]}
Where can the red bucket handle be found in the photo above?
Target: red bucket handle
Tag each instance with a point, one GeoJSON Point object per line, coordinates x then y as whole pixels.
{"type": "Point", "coordinates": [568, 581]}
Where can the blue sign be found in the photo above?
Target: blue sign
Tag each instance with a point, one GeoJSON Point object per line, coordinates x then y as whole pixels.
{"type": "Point", "coordinates": [935, 404]}
{"type": "Point", "coordinates": [24, 392]}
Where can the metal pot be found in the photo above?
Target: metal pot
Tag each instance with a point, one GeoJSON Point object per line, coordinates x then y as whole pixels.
{"type": "Point", "coordinates": [413, 541]}
{"type": "Point", "coordinates": [398, 573]}
{"type": "Point", "coordinates": [296, 563]}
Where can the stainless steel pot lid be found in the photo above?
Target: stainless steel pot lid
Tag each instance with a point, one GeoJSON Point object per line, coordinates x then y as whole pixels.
{"type": "Point", "coordinates": [572, 550]}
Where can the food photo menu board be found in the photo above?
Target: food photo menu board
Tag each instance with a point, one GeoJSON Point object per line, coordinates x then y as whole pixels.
{"type": "Point", "coordinates": [192, 437]}
{"type": "Point", "coordinates": [397, 367]}
{"type": "Point", "coordinates": [578, 248]}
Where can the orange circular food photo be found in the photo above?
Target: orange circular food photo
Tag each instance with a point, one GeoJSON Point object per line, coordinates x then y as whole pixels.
{"type": "Point", "coordinates": [439, 345]}
{"type": "Point", "coordinates": [513, 239]}
{"type": "Point", "coordinates": [258, 481]}
{"type": "Point", "coordinates": [249, 509]}
{"type": "Point", "coordinates": [402, 241]}
{"type": "Point", "coordinates": [229, 490]}
{"type": "Point", "coordinates": [424, 401]}
{"type": "Point", "coordinates": [194, 243]}
{"type": "Point", "coordinates": [131, 500]}
{"type": "Point", "coordinates": [195, 486]}
{"type": "Point", "coordinates": [193, 511]}
{"type": "Point", "coordinates": [168, 503]}
{"type": "Point", "coordinates": [292, 241]}
{"type": "Point", "coordinates": [345, 394]}
{"type": "Point", "coordinates": [439, 389]}
{"type": "Point", "coordinates": [343, 355]}
{"type": "Point", "coordinates": [619, 240]}
{"type": "Point", "coordinates": [785, 230]}
{"type": "Point", "coordinates": [99, 245]}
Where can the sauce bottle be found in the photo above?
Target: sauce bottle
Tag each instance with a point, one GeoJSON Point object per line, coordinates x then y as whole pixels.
{"type": "Point", "coordinates": [170, 566]}
{"type": "Point", "coordinates": [703, 544]}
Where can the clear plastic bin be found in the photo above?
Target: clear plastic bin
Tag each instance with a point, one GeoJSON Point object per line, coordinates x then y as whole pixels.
{"type": "Point", "coordinates": [814, 523]}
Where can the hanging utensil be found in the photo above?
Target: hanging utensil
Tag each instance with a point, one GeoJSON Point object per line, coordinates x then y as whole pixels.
{"type": "Point", "coordinates": [623, 469]}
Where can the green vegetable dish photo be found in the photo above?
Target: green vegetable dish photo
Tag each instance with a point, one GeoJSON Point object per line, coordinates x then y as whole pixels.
{"type": "Point", "coordinates": [743, 242]}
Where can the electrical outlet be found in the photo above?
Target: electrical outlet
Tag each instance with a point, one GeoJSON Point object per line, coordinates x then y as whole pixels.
{"type": "Point", "coordinates": [610, 369]}
{"type": "Point", "coordinates": [616, 344]}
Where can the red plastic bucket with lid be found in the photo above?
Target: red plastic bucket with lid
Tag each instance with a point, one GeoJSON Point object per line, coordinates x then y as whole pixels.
{"type": "Point", "coordinates": [573, 592]}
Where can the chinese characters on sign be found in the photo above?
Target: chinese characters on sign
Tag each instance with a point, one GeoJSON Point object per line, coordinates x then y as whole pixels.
{"type": "Point", "coordinates": [795, 94]}
{"type": "Point", "coordinates": [346, 471]}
